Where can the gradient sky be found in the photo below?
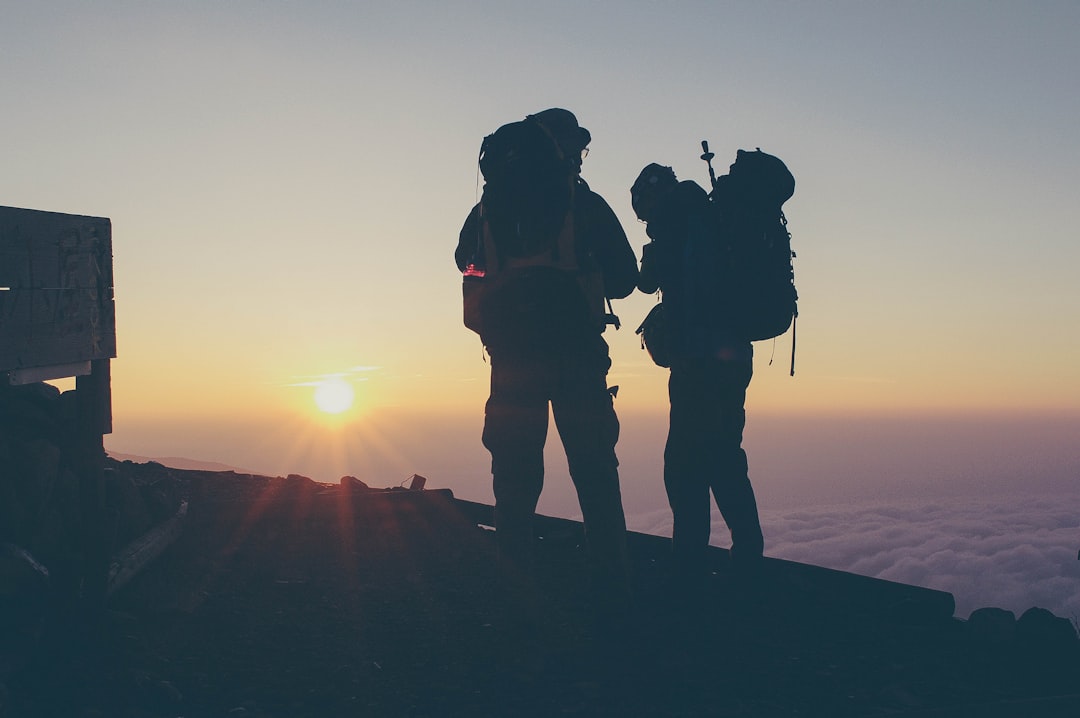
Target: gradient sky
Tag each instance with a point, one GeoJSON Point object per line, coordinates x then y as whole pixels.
{"type": "Point", "coordinates": [286, 181]}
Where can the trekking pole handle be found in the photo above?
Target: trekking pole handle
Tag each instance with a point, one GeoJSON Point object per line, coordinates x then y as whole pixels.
{"type": "Point", "coordinates": [708, 157]}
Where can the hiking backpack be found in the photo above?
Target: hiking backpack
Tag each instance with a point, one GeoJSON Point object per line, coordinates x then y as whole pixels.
{"type": "Point", "coordinates": [528, 285]}
{"type": "Point", "coordinates": [753, 229]}
{"type": "Point", "coordinates": [752, 290]}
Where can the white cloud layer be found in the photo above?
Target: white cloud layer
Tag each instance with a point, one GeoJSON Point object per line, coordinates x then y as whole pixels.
{"type": "Point", "coordinates": [1010, 551]}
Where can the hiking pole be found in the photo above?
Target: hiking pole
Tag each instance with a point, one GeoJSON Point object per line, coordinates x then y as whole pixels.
{"type": "Point", "coordinates": [708, 157]}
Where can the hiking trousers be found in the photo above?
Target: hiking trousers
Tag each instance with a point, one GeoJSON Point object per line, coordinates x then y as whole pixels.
{"type": "Point", "coordinates": [704, 453]}
{"type": "Point", "coordinates": [515, 430]}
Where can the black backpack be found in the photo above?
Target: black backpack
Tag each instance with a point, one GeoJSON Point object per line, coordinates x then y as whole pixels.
{"type": "Point", "coordinates": [752, 226]}
{"type": "Point", "coordinates": [528, 187]}
{"type": "Point", "coordinates": [528, 289]}
{"type": "Point", "coordinates": [740, 271]}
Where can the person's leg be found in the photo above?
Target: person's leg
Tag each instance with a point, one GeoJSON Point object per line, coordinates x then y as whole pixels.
{"type": "Point", "coordinates": [685, 474]}
{"type": "Point", "coordinates": [729, 476]}
{"type": "Point", "coordinates": [589, 429]}
{"type": "Point", "coordinates": [515, 428]}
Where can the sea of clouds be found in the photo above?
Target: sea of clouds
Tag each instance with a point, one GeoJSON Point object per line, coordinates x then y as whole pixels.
{"type": "Point", "coordinates": [1011, 551]}
{"type": "Point", "coordinates": [986, 509]}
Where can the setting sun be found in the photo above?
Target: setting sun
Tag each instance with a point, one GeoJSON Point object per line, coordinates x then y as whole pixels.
{"type": "Point", "coordinates": [334, 395]}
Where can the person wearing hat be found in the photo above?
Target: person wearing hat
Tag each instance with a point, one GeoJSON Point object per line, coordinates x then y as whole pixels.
{"type": "Point", "coordinates": [710, 372]}
{"type": "Point", "coordinates": [572, 138]}
{"type": "Point", "coordinates": [548, 351]}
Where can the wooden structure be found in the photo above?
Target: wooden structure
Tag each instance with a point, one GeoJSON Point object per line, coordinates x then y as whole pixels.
{"type": "Point", "coordinates": [57, 320]}
{"type": "Point", "coordinates": [56, 295]}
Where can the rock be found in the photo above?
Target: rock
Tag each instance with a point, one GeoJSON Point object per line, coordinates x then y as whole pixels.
{"type": "Point", "coordinates": [24, 585]}
{"type": "Point", "coordinates": [992, 625]}
{"type": "Point", "coordinates": [169, 692]}
{"type": "Point", "coordinates": [67, 497]}
{"type": "Point", "coordinates": [67, 408]}
{"type": "Point", "coordinates": [1040, 629]}
{"type": "Point", "coordinates": [44, 492]}
{"type": "Point", "coordinates": [160, 502]}
{"type": "Point", "coordinates": [42, 465]}
{"type": "Point", "coordinates": [39, 392]}
{"type": "Point", "coordinates": [353, 483]}
{"type": "Point", "coordinates": [133, 518]}
{"type": "Point", "coordinates": [19, 568]}
{"type": "Point", "coordinates": [13, 517]}
{"type": "Point", "coordinates": [53, 541]}
{"type": "Point", "coordinates": [30, 409]}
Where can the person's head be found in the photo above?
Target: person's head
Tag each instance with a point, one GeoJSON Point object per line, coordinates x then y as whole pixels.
{"type": "Point", "coordinates": [572, 138]}
{"type": "Point", "coordinates": [651, 186]}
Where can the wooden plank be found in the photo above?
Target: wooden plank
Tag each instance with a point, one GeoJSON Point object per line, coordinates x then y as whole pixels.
{"type": "Point", "coordinates": [56, 289]}
{"type": "Point", "coordinates": [20, 377]}
{"type": "Point", "coordinates": [43, 327]}
{"type": "Point", "coordinates": [53, 249]}
{"type": "Point", "coordinates": [142, 551]}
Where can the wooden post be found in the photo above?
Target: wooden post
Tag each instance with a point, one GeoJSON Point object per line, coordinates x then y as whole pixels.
{"type": "Point", "coordinates": [93, 394]}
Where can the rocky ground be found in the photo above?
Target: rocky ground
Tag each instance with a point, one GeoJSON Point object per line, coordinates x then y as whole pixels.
{"type": "Point", "coordinates": [283, 597]}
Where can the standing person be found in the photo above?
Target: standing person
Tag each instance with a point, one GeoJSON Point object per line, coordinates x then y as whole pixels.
{"type": "Point", "coordinates": [541, 253]}
{"type": "Point", "coordinates": [711, 367]}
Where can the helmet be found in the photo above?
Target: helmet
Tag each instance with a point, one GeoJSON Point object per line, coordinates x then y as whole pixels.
{"type": "Point", "coordinates": [654, 182]}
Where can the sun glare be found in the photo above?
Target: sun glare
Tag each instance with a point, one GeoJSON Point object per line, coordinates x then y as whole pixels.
{"type": "Point", "coordinates": [334, 395]}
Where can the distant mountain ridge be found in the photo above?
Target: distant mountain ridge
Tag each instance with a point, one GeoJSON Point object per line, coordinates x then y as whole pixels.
{"type": "Point", "coordinates": [177, 462]}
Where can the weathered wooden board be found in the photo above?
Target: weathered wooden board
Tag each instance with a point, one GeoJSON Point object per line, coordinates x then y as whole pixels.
{"type": "Point", "coordinates": [56, 289]}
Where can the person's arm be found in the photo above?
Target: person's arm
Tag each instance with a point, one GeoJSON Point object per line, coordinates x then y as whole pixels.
{"type": "Point", "coordinates": [609, 245]}
{"type": "Point", "coordinates": [468, 239]}
{"type": "Point", "coordinates": [648, 281]}
{"type": "Point", "coordinates": [661, 258]}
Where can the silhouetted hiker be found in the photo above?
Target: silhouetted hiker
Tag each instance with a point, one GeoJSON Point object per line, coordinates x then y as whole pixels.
{"type": "Point", "coordinates": [711, 367]}
{"type": "Point", "coordinates": [541, 254]}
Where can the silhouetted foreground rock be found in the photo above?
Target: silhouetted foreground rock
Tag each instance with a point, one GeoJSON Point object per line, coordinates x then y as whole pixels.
{"type": "Point", "coordinates": [284, 597]}
{"type": "Point", "coordinates": [44, 520]}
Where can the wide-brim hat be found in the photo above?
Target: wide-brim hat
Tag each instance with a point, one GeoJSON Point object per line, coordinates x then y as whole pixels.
{"type": "Point", "coordinates": [564, 127]}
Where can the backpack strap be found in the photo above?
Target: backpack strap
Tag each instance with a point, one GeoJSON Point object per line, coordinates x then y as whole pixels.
{"type": "Point", "coordinates": [562, 253]}
{"type": "Point", "coordinates": [558, 148]}
{"type": "Point", "coordinates": [794, 319]}
{"type": "Point", "coordinates": [795, 315]}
